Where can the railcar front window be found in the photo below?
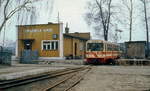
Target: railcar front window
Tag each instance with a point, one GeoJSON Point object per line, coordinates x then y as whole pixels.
{"type": "Point", "coordinates": [94, 47]}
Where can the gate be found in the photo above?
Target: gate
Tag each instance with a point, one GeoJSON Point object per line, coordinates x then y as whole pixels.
{"type": "Point", "coordinates": [28, 56]}
{"type": "Point", "coordinates": [5, 56]}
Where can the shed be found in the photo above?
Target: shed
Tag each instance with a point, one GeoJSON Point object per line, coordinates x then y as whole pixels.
{"type": "Point", "coordinates": [135, 49]}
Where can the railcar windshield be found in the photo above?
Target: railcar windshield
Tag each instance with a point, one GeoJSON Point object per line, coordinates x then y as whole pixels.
{"type": "Point", "coordinates": [95, 47]}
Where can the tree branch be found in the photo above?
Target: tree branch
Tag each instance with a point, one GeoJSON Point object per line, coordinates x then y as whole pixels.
{"type": "Point", "coordinates": [5, 9]}
{"type": "Point", "coordinates": [12, 12]}
{"type": "Point", "coordinates": [101, 13]}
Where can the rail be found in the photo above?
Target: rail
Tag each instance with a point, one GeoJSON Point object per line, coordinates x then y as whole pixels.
{"type": "Point", "coordinates": [70, 81]}
{"type": "Point", "coordinates": [21, 81]}
{"type": "Point", "coordinates": [133, 62]}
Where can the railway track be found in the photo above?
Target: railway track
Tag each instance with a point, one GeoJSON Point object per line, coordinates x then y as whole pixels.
{"type": "Point", "coordinates": [134, 62]}
{"type": "Point", "coordinates": [68, 82]}
{"type": "Point", "coordinates": [69, 72]}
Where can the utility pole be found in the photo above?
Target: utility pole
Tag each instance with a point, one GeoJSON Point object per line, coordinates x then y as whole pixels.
{"type": "Point", "coordinates": [116, 34]}
{"type": "Point", "coordinates": [58, 18]}
{"type": "Point", "coordinates": [4, 35]}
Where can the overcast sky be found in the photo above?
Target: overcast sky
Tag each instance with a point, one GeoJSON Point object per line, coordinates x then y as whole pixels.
{"type": "Point", "coordinates": [72, 11]}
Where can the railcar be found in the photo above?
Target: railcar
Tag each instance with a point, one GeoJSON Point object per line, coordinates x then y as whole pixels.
{"type": "Point", "coordinates": [101, 52]}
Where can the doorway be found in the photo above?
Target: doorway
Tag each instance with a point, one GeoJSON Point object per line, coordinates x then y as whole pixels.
{"type": "Point", "coordinates": [27, 44]}
{"type": "Point", "coordinates": [75, 49]}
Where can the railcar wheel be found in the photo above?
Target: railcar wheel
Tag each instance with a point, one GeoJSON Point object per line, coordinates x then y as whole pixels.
{"type": "Point", "coordinates": [85, 63]}
{"type": "Point", "coordinates": [111, 62]}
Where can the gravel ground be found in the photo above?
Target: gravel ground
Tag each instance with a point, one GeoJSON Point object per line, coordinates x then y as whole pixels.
{"type": "Point", "coordinates": [70, 62]}
{"type": "Point", "coordinates": [116, 78]}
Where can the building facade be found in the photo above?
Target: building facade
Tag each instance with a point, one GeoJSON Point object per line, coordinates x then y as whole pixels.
{"type": "Point", "coordinates": [74, 45]}
{"type": "Point", "coordinates": [47, 39]}
{"type": "Point", "coordinates": [50, 42]}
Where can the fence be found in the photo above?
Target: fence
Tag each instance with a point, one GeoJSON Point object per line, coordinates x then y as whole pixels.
{"type": "Point", "coordinates": [5, 56]}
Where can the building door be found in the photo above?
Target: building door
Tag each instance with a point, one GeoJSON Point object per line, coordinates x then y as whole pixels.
{"type": "Point", "coordinates": [27, 45]}
{"type": "Point", "coordinates": [75, 49]}
{"type": "Point", "coordinates": [27, 55]}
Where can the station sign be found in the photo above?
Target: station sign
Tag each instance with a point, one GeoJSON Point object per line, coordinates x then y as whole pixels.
{"type": "Point", "coordinates": [38, 30]}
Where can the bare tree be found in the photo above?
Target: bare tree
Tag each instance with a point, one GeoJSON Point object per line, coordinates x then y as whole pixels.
{"type": "Point", "coordinates": [22, 12]}
{"type": "Point", "coordinates": [146, 23]}
{"type": "Point", "coordinates": [8, 10]}
{"type": "Point", "coordinates": [129, 6]}
{"type": "Point", "coordinates": [100, 16]}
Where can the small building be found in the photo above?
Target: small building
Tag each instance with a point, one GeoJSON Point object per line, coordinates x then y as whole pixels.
{"type": "Point", "coordinates": [49, 41]}
{"type": "Point", "coordinates": [75, 44]}
{"type": "Point", "coordinates": [136, 49]}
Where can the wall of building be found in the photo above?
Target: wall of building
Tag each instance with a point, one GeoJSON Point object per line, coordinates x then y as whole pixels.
{"type": "Point", "coordinates": [70, 50]}
{"type": "Point", "coordinates": [68, 46]}
{"type": "Point", "coordinates": [73, 44]}
{"type": "Point", "coordinates": [40, 33]}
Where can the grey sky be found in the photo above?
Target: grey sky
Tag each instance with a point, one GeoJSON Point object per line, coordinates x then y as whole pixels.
{"type": "Point", "coordinates": [72, 11]}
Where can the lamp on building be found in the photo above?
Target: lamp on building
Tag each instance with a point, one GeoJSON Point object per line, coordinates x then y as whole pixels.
{"type": "Point", "coordinates": [55, 36]}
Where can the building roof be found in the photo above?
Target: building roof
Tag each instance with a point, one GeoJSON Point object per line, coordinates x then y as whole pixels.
{"type": "Point", "coordinates": [81, 36]}
{"type": "Point", "coordinates": [136, 42]}
{"type": "Point", "coordinates": [49, 23]}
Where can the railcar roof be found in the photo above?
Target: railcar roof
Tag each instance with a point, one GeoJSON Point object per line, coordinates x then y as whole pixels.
{"type": "Point", "coordinates": [102, 41]}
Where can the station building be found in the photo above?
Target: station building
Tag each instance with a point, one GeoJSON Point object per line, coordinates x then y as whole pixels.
{"type": "Point", "coordinates": [50, 41]}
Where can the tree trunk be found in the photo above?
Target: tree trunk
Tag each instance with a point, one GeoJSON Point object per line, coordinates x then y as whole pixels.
{"type": "Point", "coordinates": [131, 13]}
{"type": "Point", "coordinates": [146, 23]}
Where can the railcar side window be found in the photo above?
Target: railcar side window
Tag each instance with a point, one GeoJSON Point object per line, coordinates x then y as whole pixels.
{"type": "Point", "coordinates": [94, 47]}
{"type": "Point", "coordinates": [109, 47]}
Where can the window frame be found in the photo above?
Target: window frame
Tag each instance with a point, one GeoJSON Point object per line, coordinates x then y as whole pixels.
{"type": "Point", "coordinates": [87, 48]}
{"type": "Point", "coordinates": [55, 45]}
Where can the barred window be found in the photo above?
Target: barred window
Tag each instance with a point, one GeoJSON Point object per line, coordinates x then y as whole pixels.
{"type": "Point", "coordinates": [50, 45]}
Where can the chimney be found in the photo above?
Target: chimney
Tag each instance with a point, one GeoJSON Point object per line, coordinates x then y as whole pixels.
{"type": "Point", "coordinates": [66, 28]}
{"type": "Point", "coordinates": [50, 22]}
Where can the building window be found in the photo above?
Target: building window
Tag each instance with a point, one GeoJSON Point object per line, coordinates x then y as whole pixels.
{"type": "Point", "coordinates": [44, 47]}
{"type": "Point", "coordinates": [50, 45]}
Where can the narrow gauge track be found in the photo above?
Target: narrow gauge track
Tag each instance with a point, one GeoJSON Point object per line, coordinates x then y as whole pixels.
{"type": "Point", "coordinates": [18, 82]}
{"type": "Point", "coordinates": [68, 82]}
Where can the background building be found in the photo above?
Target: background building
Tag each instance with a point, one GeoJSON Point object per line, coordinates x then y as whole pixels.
{"type": "Point", "coordinates": [136, 49]}
{"type": "Point", "coordinates": [75, 44]}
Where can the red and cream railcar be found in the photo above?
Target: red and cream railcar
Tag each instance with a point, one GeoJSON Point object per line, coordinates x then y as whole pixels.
{"type": "Point", "coordinates": [101, 52]}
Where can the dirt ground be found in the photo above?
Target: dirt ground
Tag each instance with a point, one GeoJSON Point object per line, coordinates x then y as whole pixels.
{"type": "Point", "coordinates": [116, 78]}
